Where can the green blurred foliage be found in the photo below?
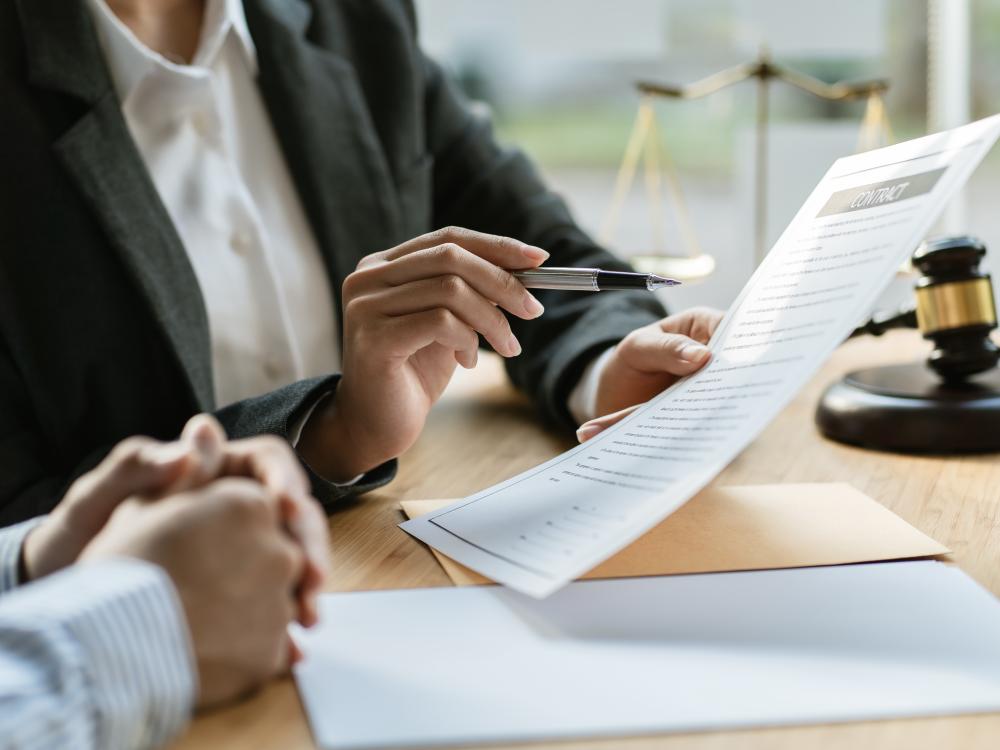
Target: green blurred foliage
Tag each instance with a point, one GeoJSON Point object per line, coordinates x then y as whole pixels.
{"type": "Point", "coordinates": [590, 131]}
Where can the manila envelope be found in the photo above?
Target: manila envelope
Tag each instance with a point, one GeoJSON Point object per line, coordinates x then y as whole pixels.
{"type": "Point", "coordinates": [750, 528]}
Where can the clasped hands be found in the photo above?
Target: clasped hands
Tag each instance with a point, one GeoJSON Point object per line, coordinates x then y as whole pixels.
{"type": "Point", "coordinates": [233, 525]}
{"type": "Point", "coordinates": [413, 313]}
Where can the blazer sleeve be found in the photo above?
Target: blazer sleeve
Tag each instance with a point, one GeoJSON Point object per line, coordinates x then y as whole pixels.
{"type": "Point", "coordinates": [33, 480]}
{"type": "Point", "coordinates": [278, 412]}
{"type": "Point", "coordinates": [480, 185]}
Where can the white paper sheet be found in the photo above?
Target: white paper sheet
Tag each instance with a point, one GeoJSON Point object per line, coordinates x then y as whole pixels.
{"type": "Point", "coordinates": [541, 529]}
{"type": "Point", "coordinates": [649, 655]}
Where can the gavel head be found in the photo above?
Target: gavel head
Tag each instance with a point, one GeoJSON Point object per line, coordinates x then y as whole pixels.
{"type": "Point", "coordinates": [955, 307]}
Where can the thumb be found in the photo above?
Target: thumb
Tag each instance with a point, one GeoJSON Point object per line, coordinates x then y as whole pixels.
{"type": "Point", "coordinates": [206, 436]}
{"type": "Point", "coordinates": [137, 466]}
{"type": "Point", "coordinates": [596, 426]}
{"type": "Point", "coordinates": [205, 439]}
{"type": "Point", "coordinates": [656, 351]}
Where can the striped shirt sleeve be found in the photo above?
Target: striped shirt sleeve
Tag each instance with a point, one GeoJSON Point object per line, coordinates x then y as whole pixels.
{"type": "Point", "coordinates": [96, 656]}
{"type": "Point", "coordinates": [11, 540]}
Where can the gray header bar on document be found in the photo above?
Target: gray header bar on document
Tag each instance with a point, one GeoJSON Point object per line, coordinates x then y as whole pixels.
{"type": "Point", "coordinates": [879, 194]}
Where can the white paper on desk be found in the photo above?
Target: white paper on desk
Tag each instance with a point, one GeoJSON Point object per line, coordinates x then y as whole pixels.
{"type": "Point", "coordinates": [484, 664]}
{"type": "Point", "coordinates": [541, 529]}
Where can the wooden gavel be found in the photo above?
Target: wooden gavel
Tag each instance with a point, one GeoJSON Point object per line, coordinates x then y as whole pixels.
{"type": "Point", "coordinates": [954, 308]}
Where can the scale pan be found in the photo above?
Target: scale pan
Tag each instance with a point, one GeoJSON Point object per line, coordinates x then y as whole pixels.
{"type": "Point", "coordinates": [681, 267]}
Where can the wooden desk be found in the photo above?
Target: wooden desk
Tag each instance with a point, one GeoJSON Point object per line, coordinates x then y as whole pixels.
{"type": "Point", "coordinates": [483, 432]}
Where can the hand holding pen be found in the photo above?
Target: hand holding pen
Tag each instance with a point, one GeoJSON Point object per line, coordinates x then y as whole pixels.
{"type": "Point", "coordinates": [413, 312]}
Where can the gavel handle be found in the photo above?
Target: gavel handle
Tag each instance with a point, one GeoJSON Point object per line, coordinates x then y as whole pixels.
{"type": "Point", "coordinates": [880, 323]}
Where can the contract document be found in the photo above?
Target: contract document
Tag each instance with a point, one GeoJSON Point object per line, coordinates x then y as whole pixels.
{"type": "Point", "coordinates": [540, 530]}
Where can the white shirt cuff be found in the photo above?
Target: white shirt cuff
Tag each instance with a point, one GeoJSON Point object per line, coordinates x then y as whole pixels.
{"type": "Point", "coordinates": [295, 431]}
{"type": "Point", "coordinates": [11, 542]}
{"type": "Point", "coordinates": [295, 434]}
{"type": "Point", "coordinates": [582, 403]}
{"type": "Point", "coordinates": [110, 647]}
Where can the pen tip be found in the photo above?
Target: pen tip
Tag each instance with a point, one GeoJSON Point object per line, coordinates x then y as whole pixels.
{"type": "Point", "coordinates": [662, 281]}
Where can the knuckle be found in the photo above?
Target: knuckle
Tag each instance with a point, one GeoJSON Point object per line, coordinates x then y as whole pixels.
{"type": "Point", "coordinates": [355, 283]}
{"type": "Point", "coordinates": [505, 280]}
{"type": "Point", "coordinates": [705, 317]}
{"type": "Point", "coordinates": [632, 341]}
{"type": "Point", "coordinates": [370, 260]}
{"type": "Point", "coordinates": [702, 316]}
{"type": "Point", "coordinates": [500, 320]}
{"type": "Point", "coordinates": [350, 307]}
{"type": "Point", "coordinates": [452, 285]}
{"type": "Point", "coordinates": [355, 308]}
{"type": "Point", "coordinates": [670, 323]}
{"type": "Point", "coordinates": [350, 286]}
{"type": "Point", "coordinates": [130, 445]}
{"type": "Point", "coordinates": [450, 253]}
{"type": "Point", "coordinates": [452, 233]}
{"type": "Point", "coordinates": [442, 318]}
{"type": "Point", "coordinates": [505, 244]}
{"type": "Point", "coordinates": [127, 451]}
{"type": "Point", "coordinates": [670, 346]}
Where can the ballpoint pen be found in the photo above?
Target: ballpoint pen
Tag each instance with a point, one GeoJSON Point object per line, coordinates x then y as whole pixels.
{"type": "Point", "coordinates": [591, 280]}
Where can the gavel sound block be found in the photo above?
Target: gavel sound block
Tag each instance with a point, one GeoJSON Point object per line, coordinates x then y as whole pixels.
{"type": "Point", "coordinates": [951, 402]}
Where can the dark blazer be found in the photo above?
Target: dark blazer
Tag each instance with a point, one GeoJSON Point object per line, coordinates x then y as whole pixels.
{"type": "Point", "coordinates": [103, 330]}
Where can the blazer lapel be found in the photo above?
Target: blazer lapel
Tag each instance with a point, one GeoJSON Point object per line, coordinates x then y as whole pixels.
{"type": "Point", "coordinates": [316, 105]}
{"type": "Point", "coordinates": [100, 156]}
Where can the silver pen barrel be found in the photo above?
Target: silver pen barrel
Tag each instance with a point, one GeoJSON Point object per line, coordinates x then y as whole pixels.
{"type": "Point", "coordinates": [572, 279]}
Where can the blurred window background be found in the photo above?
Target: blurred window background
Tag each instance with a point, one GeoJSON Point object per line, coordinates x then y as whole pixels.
{"type": "Point", "coordinates": [558, 77]}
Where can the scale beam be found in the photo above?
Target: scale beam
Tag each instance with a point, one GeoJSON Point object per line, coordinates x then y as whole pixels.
{"type": "Point", "coordinates": [764, 70]}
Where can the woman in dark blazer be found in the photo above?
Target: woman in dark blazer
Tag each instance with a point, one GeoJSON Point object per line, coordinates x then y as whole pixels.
{"type": "Point", "coordinates": [103, 324]}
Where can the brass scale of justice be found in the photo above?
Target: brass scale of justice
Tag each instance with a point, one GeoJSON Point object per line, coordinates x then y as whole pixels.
{"type": "Point", "coordinates": [948, 404]}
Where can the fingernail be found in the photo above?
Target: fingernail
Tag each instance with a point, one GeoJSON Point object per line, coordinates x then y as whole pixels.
{"type": "Point", "coordinates": [201, 429]}
{"type": "Point", "coordinates": [587, 431]}
{"type": "Point", "coordinates": [535, 253]}
{"type": "Point", "coordinates": [514, 346]}
{"type": "Point", "coordinates": [694, 353]}
{"type": "Point", "coordinates": [466, 359]}
{"type": "Point", "coordinates": [533, 307]}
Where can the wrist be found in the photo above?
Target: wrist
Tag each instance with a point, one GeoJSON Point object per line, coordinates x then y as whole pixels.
{"type": "Point", "coordinates": [49, 547]}
{"type": "Point", "coordinates": [584, 400]}
{"type": "Point", "coordinates": [26, 563]}
{"type": "Point", "coordinates": [333, 446]}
